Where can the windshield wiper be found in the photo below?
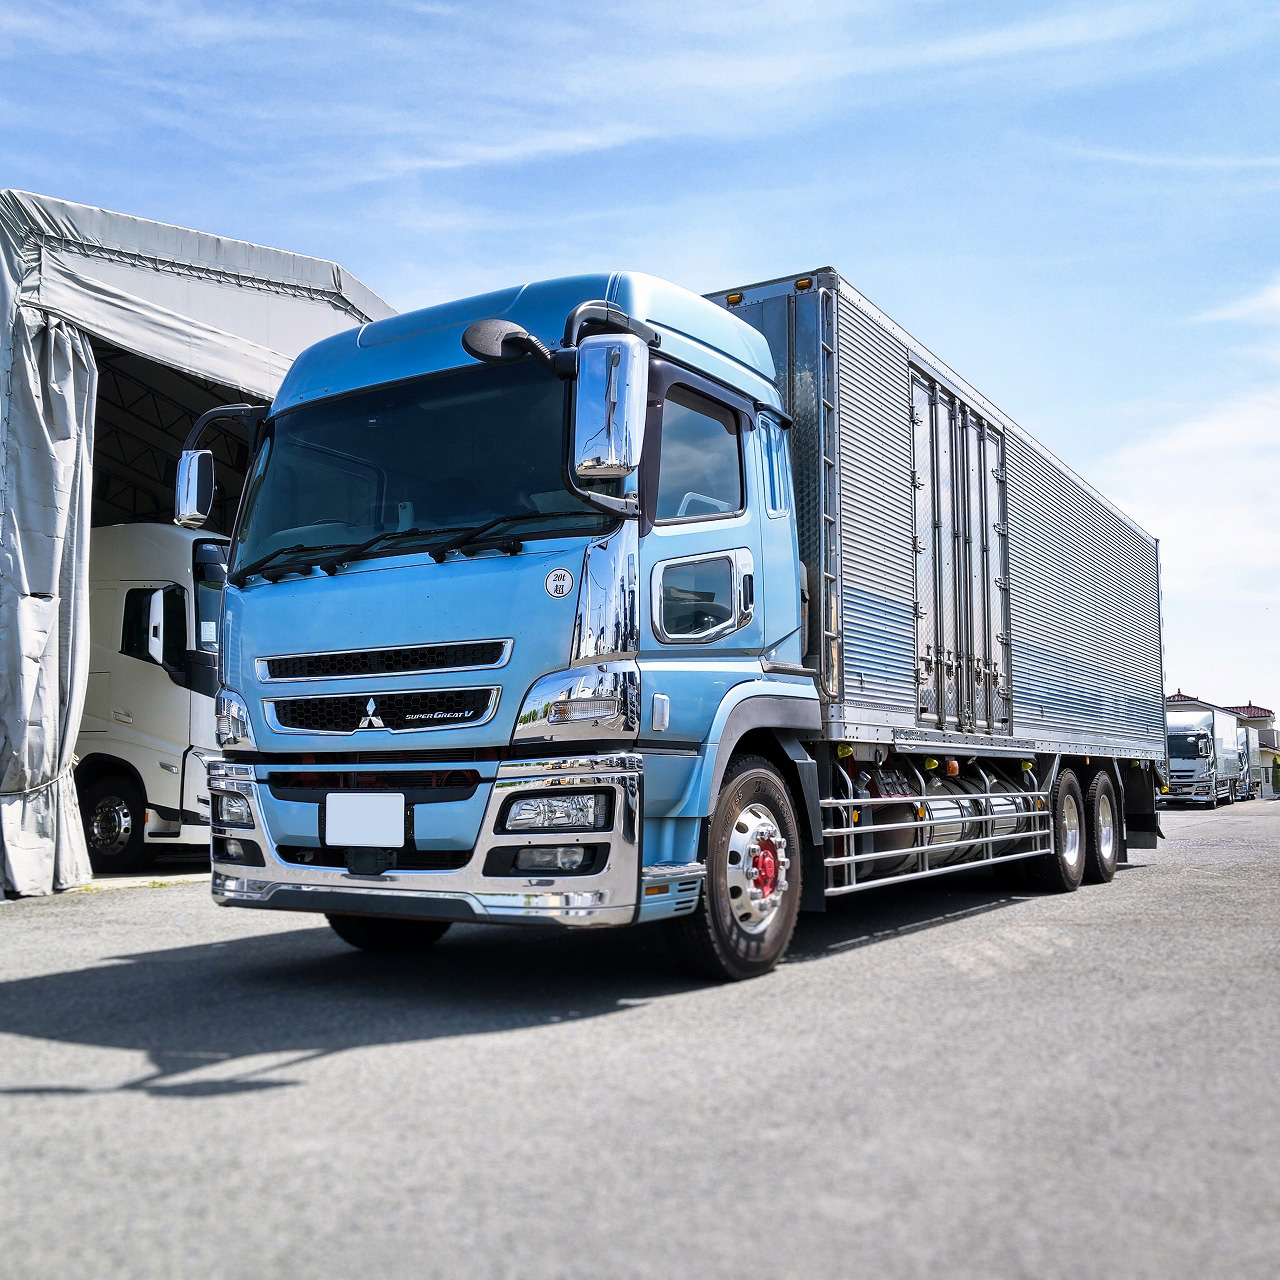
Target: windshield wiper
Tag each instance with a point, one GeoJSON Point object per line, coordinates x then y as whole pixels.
{"type": "Point", "coordinates": [347, 554]}
{"type": "Point", "coordinates": [474, 535]}
{"type": "Point", "coordinates": [241, 576]}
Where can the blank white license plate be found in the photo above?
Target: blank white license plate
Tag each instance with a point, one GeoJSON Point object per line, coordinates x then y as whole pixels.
{"type": "Point", "coordinates": [368, 821]}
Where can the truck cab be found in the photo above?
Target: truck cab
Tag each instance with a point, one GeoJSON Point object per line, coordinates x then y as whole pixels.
{"type": "Point", "coordinates": [492, 611]}
{"type": "Point", "coordinates": [148, 729]}
{"type": "Point", "coordinates": [1204, 757]}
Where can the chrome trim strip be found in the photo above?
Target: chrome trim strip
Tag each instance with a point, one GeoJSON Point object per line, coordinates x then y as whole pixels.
{"type": "Point", "coordinates": [273, 721]}
{"type": "Point", "coordinates": [265, 677]}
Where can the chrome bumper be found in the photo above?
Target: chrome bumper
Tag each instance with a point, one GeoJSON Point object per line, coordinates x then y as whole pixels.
{"type": "Point", "coordinates": [611, 896]}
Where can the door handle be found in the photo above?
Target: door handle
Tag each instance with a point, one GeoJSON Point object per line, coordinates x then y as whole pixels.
{"type": "Point", "coordinates": [747, 594]}
{"type": "Point", "coordinates": [123, 716]}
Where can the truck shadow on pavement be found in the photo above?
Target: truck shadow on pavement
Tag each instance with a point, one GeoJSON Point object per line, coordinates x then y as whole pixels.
{"type": "Point", "coordinates": [204, 1013]}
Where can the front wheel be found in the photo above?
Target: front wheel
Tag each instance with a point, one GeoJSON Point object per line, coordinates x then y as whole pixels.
{"type": "Point", "coordinates": [114, 813]}
{"type": "Point", "coordinates": [377, 933]}
{"type": "Point", "coordinates": [751, 895]}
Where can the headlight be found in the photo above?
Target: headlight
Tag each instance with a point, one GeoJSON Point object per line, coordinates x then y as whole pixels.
{"type": "Point", "coordinates": [581, 811]}
{"type": "Point", "coordinates": [232, 724]}
{"type": "Point", "coordinates": [231, 809]}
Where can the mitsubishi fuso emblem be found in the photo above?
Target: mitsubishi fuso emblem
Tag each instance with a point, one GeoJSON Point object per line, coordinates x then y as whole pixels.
{"type": "Point", "coordinates": [372, 720]}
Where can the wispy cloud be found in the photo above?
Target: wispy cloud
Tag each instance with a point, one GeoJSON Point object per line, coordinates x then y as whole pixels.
{"type": "Point", "coordinates": [1208, 489]}
{"type": "Point", "coordinates": [1262, 307]}
{"type": "Point", "coordinates": [1193, 162]}
{"type": "Point", "coordinates": [427, 88]}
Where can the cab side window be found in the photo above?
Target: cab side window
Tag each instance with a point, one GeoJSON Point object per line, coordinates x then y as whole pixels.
{"type": "Point", "coordinates": [700, 462]}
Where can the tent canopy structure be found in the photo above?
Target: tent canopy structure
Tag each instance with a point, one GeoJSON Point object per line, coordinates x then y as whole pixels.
{"type": "Point", "coordinates": [116, 333]}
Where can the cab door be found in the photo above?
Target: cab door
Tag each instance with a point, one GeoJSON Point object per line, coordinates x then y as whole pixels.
{"type": "Point", "coordinates": [702, 624]}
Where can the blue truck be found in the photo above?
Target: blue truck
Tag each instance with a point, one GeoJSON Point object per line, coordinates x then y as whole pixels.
{"type": "Point", "coordinates": [595, 602]}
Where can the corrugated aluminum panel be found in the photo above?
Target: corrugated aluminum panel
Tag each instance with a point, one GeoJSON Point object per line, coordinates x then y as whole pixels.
{"type": "Point", "coordinates": [1047, 596]}
{"type": "Point", "coordinates": [1084, 609]}
{"type": "Point", "coordinates": [876, 514]}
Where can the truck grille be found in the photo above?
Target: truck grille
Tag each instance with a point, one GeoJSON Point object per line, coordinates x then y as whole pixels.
{"type": "Point", "coordinates": [399, 712]}
{"type": "Point", "coordinates": [413, 660]}
{"type": "Point", "coordinates": [420, 786]}
{"type": "Point", "coordinates": [408, 859]}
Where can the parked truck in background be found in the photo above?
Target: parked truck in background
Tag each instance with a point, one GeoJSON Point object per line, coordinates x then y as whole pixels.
{"type": "Point", "coordinates": [1204, 756]}
{"type": "Point", "coordinates": [594, 602]}
{"type": "Point", "coordinates": [1250, 751]}
{"type": "Point", "coordinates": [148, 729]}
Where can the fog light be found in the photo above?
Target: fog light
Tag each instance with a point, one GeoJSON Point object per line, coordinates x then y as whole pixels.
{"type": "Point", "coordinates": [582, 811]}
{"type": "Point", "coordinates": [231, 810]}
{"type": "Point", "coordinates": [551, 857]}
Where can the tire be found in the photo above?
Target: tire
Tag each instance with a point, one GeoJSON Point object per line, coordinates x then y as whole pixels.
{"type": "Point", "coordinates": [114, 813]}
{"type": "Point", "coordinates": [1104, 842]}
{"type": "Point", "coordinates": [732, 936]}
{"type": "Point", "coordinates": [1062, 870]}
{"type": "Point", "coordinates": [378, 933]}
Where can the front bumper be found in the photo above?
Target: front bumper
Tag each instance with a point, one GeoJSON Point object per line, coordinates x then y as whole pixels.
{"type": "Point", "coordinates": [610, 896]}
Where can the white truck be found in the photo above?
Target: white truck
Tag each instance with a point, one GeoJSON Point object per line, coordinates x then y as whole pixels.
{"type": "Point", "coordinates": [1250, 763]}
{"type": "Point", "coordinates": [1204, 756]}
{"type": "Point", "coordinates": [148, 728]}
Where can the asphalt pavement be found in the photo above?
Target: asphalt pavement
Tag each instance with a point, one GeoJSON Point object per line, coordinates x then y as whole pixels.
{"type": "Point", "coordinates": [945, 1080]}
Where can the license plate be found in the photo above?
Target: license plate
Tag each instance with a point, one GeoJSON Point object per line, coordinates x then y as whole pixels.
{"type": "Point", "coordinates": [364, 820]}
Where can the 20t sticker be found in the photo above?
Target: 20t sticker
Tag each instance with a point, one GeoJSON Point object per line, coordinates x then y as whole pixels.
{"type": "Point", "coordinates": [559, 583]}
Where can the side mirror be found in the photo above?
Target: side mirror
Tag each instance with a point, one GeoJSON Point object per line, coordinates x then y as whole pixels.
{"type": "Point", "coordinates": [194, 499]}
{"type": "Point", "coordinates": [609, 412]}
{"type": "Point", "coordinates": [155, 628]}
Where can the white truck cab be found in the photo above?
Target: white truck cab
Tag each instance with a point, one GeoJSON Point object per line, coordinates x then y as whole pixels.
{"type": "Point", "coordinates": [148, 727]}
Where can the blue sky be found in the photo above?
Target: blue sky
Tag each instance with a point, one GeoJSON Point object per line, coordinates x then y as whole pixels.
{"type": "Point", "coordinates": [1076, 205]}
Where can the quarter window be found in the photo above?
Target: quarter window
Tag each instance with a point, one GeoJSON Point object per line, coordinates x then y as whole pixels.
{"type": "Point", "coordinates": [700, 464]}
{"type": "Point", "coordinates": [696, 599]}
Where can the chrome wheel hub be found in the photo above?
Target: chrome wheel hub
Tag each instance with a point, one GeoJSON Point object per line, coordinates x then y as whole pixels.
{"type": "Point", "coordinates": [757, 868]}
{"type": "Point", "coordinates": [1107, 830]}
{"type": "Point", "coordinates": [110, 825]}
{"type": "Point", "coordinates": [1072, 829]}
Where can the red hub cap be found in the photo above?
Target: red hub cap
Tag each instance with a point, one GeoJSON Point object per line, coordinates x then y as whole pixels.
{"type": "Point", "coordinates": [765, 863]}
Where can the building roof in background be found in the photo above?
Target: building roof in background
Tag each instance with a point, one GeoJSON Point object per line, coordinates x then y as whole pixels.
{"type": "Point", "coordinates": [1251, 711]}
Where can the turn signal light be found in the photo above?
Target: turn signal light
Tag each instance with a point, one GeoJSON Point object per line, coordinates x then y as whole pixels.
{"type": "Point", "coordinates": [572, 709]}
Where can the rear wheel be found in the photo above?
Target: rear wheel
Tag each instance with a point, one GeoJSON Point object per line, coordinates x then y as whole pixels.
{"type": "Point", "coordinates": [751, 895]}
{"type": "Point", "coordinates": [1103, 838]}
{"type": "Point", "coordinates": [1061, 870]}
{"type": "Point", "coordinates": [376, 933]}
{"type": "Point", "coordinates": [114, 813]}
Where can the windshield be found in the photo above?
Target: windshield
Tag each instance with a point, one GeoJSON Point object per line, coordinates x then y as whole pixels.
{"type": "Point", "coordinates": [209, 569]}
{"type": "Point", "coordinates": [1185, 746]}
{"type": "Point", "coordinates": [451, 451]}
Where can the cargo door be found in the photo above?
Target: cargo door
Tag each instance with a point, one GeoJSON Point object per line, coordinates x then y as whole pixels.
{"type": "Point", "coordinates": [961, 578]}
{"type": "Point", "coordinates": [928, 666]}
{"type": "Point", "coordinates": [995, 552]}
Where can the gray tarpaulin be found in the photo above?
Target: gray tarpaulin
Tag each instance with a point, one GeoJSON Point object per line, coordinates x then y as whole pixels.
{"type": "Point", "coordinates": [222, 310]}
